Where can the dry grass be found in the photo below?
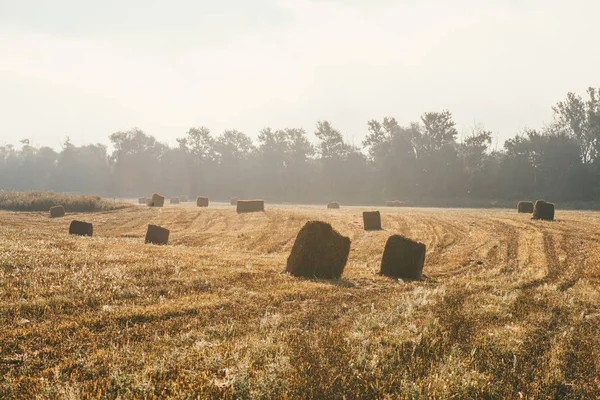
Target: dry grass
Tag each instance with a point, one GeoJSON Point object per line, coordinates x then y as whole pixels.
{"type": "Point", "coordinates": [510, 308]}
{"type": "Point", "coordinates": [42, 201]}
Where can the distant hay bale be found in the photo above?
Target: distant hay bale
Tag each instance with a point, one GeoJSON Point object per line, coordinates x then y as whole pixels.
{"type": "Point", "coordinates": [403, 258]}
{"type": "Point", "coordinates": [184, 198]}
{"type": "Point", "coordinates": [149, 201]}
{"type": "Point", "coordinates": [525, 207]}
{"type": "Point", "coordinates": [81, 228]}
{"type": "Point", "coordinates": [57, 212]}
{"type": "Point", "coordinates": [174, 200]}
{"type": "Point", "coordinates": [543, 210]}
{"type": "Point", "coordinates": [319, 251]}
{"type": "Point", "coordinates": [244, 206]}
{"type": "Point", "coordinates": [157, 200]}
{"type": "Point", "coordinates": [233, 201]}
{"type": "Point", "coordinates": [142, 200]}
{"type": "Point", "coordinates": [202, 202]}
{"type": "Point", "coordinates": [333, 204]}
{"type": "Point", "coordinates": [372, 220]}
{"type": "Point", "coordinates": [157, 235]}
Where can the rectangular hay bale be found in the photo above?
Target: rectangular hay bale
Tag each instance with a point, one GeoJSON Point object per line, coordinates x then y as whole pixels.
{"type": "Point", "coordinates": [157, 235]}
{"type": "Point", "coordinates": [372, 220]}
{"type": "Point", "coordinates": [244, 206]}
{"type": "Point", "coordinates": [81, 228]}
{"type": "Point", "coordinates": [57, 212]}
{"type": "Point", "coordinates": [202, 202]}
{"type": "Point", "coordinates": [525, 207]}
{"type": "Point", "coordinates": [158, 200]}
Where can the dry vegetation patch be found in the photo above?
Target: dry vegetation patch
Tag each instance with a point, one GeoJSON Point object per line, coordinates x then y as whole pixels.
{"type": "Point", "coordinates": [510, 307]}
{"type": "Point", "coordinates": [43, 201]}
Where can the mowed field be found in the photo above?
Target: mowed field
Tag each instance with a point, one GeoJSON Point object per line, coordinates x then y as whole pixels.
{"type": "Point", "coordinates": [509, 308]}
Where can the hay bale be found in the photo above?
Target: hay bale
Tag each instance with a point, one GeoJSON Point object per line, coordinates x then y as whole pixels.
{"type": "Point", "coordinates": [372, 220]}
{"type": "Point", "coordinates": [233, 201]}
{"type": "Point", "coordinates": [57, 212]}
{"type": "Point", "coordinates": [157, 235]}
{"type": "Point", "coordinates": [202, 202]}
{"type": "Point", "coordinates": [333, 204]}
{"type": "Point", "coordinates": [81, 228]}
{"type": "Point", "coordinates": [525, 207]}
{"type": "Point", "coordinates": [403, 258]}
{"type": "Point", "coordinates": [174, 200]}
{"type": "Point", "coordinates": [184, 198]}
{"type": "Point", "coordinates": [142, 200]}
{"type": "Point", "coordinates": [157, 200]}
{"type": "Point", "coordinates": [319, 251]}
{"type": "Point", "coordinates": [149, 201]}
{"type": "Point", "coordinates": [244, 206]}
{"type": "Point", "coordinates": [543, 210]}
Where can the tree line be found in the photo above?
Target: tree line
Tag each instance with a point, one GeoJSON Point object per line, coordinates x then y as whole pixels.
{"type": "Point", "coordinates": [424, 162]}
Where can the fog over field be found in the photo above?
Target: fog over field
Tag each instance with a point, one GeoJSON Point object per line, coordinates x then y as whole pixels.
{"type": "Point", "coordinates": [89, 69]}
{"type": "Point", "coordinates": [299, 199]}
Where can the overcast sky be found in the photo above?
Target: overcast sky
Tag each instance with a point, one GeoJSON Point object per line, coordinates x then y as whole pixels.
{"type": "Point", "coordinates": [87, 69]}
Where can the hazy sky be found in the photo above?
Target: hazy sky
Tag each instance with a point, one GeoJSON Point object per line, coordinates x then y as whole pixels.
{"type": "Point", "coordinates": [86, 69]}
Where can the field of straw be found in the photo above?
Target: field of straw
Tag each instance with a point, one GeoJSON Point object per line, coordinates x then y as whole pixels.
{"type": "Point", "coordinates": [510, 307]}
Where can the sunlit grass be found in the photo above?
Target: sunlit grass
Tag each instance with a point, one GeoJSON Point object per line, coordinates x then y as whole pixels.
{"type": "Point", "coordinates": [510, 308]}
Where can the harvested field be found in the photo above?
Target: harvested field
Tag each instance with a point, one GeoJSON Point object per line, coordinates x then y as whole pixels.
{"type": "Point", "coordinates": [509, 307]}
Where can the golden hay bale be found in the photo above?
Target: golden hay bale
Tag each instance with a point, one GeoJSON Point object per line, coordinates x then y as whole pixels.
{"type": "Point", "coordinates": [157, 200]}
{"type": "Point", "coordinates": [81, 228]}
{"type": "Point", "coordinates": [184, 198]}
{"type": "Point", "coordinates": [543, 210]}
{"type": "Point", "coordinates": [319, 251]}
{"type": "Point", "coordinates": [333, 204]}
{"type": "Point", "coordinates": [174, 200]}
{"type": "Point", "coordinates": [157, 235]}
{"type": "Point", "coordinates": [403, 258]}
{"type": "Point", "coordinates": [372, 220]}
{"type": "Point", "coordinates": [57, 211]}
{"type": "Point", "coordinates": [142, 200]}
{"type": "Point", "coordinates": [525, 207]}
{"type": "Point", "coordinates": [202, 202]}
{"type": "Point", "coordinates": [244, 206]}
{"type": "Point", "coordinates": [233, 201]}
{"type": "Point", "coordinates": [149, 201]}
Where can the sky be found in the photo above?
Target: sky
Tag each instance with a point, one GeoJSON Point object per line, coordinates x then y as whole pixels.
{"type": "Point", "coordinates": [87, 69]}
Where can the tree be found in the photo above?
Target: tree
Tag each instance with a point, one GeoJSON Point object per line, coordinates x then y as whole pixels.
{"type": "Point", "coordinates": [136, 160]}
{"type": "Point", "coordinates": [331, 142]}
{"type": "Point", "coordinates": [581, 120]}
{"type": "Point", "coordinates": [234, 150]}
{"type": "Point", "coordinates": [198, 148]}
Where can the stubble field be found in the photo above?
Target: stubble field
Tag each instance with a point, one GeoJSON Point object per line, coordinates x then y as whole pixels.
{"type": "Point", "coordinates": [509, 307]}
